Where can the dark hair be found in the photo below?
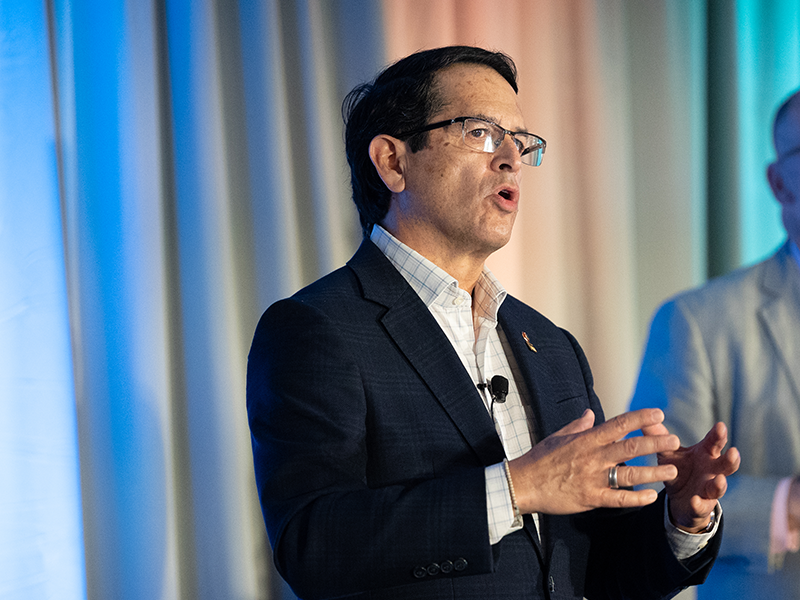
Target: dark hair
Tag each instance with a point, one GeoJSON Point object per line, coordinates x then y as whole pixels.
{"type": "Point", "coordinates": [401, 98]}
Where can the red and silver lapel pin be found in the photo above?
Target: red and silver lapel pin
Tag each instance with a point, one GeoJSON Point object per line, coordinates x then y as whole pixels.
{"type": "Point", "coordinates": [528, 342]}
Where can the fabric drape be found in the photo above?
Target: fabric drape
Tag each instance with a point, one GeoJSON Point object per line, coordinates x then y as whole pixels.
{"type": "Point", "coordinates": [658, 122]}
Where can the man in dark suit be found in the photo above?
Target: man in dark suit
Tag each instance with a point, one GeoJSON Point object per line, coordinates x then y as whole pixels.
{"type": "Point", "coordinates": [417, 432]}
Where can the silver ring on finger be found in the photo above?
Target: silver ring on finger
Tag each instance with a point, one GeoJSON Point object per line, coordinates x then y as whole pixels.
{"type": "Point", "coordinates": [612, 478]}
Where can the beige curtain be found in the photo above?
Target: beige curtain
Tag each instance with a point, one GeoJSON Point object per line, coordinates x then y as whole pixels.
{"type": "Point", "coordinates": [592, 249]}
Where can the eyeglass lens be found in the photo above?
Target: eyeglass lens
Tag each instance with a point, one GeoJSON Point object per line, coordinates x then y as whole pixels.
{"type": "Point", "coordinates": [486, 137]}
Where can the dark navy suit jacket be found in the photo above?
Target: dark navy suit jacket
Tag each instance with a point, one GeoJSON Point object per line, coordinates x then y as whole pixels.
{"type": "Point", "coordinates": [370, 441]}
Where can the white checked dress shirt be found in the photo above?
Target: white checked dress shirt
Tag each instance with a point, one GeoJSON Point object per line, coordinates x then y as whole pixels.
{"type": "Point", "coordinates": [483, 349]}
{"type": "Point", "coordinates": [479, 343]}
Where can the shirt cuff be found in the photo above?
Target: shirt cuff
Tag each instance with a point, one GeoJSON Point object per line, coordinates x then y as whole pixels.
{"type": "Point", "coordinates": [685, 545]}
{"type": "Point", "coordinates": [782, 539]}
{"type": "Point", "coordinates": [498, 504]}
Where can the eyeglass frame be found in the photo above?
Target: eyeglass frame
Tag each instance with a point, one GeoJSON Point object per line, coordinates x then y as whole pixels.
{"type": "Point", "coordinates": [462, 120]}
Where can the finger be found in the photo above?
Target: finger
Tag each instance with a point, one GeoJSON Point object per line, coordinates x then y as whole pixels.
{"type": "Point", "coordinates": [632, 447]}
{"type": "Point", "coordinates": [715, 488]}
{"type": "Point", "coordinates": [621, 425]}
{"type": "Point", "coordinates": [715, 439]}
{"type": "Point", "coordinates": [633, 476]}
{"type": "Point", "coordinates": [657, 429]}
{"type": "Point", "coordinates": [627, 498]}
{"type": "Point", "coordinates": [730, 461]}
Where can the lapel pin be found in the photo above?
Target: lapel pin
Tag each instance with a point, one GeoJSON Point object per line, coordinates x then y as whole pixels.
{"type": "Point", "coordinates": [528, 341]}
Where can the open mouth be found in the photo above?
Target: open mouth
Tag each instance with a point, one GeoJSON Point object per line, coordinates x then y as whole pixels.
{"type": "Point", "coordinates": [508, 193]}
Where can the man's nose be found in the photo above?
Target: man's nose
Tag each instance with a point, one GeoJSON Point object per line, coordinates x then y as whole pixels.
{"type": "Point", "coordinates": [507, 156]}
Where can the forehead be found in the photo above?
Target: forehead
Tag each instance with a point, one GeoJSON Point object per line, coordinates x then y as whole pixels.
{"type": "Point", "coordinates": [787, 131]}
{"type": "Point", "coordinates": [475, 90]}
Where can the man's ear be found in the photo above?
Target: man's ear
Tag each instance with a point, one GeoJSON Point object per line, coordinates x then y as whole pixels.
{"type": "Point", "coordinates": [387, 154]}
{"type": "Point", "coordinates": [778, 185]}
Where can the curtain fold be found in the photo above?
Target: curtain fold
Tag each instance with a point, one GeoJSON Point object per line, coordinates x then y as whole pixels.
{"type": "Point", "coordinates": [170, 168]}
{"type": "Point", "coordinates": [106, 64]}
{"type": "Point", "coordinates": [203, 178]}
{"type": "Point", "coordinates": [753, 54]}
{"type": "Point", "coordinates": [571, 255]}
{"type": "Point", "coordinates": [205, 115]}
{"type": "Point", "coordinates": [657, 117]}
{"type": "Point", "coordinates": [41, 546]}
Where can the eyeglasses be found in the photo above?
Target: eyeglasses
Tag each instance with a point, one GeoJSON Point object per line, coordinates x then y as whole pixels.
{"type": "Point", "coordinates": [485, 136]}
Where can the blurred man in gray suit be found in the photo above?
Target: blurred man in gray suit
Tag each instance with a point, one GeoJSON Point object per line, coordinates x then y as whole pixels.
{"type": "Point", "coordinates": [730, 351]}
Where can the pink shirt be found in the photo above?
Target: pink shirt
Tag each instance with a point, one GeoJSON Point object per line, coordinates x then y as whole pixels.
{"type": "Point", "coordinates": [782, 539]}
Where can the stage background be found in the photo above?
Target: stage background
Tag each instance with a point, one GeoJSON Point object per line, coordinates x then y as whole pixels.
{"type": "Point", "coordinates": [170, 168]}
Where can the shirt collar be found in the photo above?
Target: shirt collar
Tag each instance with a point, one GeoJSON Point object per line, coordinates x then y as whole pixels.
{"type": "Point", "coordinates": [433, 284]}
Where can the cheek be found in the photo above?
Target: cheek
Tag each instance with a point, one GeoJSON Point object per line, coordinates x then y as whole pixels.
{"type": "Point", "coordinates": [791, 180]}
{"type": "Point", "coordinates": [793, 187]}
{"type": "Point", "coordinates": [791, 212]}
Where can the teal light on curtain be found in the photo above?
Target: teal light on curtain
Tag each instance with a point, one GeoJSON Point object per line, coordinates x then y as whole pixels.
{"type": "Point", "coordinates": [41, 546]}
{"type": "Point", "coordinates": [754, 63]}
{"type": "Point", "coordinates": [768, 75]}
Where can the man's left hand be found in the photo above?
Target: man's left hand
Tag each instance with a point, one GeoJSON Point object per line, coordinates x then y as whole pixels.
{"type": "Point", "coordinates": [701, 480]}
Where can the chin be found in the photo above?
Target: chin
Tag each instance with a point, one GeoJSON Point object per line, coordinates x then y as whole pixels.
{"type": "Point", "coordinates": [494, 243]}
{"type": "Point", "coordinates": [502, 236]}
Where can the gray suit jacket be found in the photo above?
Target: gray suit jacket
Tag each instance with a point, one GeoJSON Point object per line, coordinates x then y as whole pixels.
{"type": "Point", "coordinates": [730, 351]}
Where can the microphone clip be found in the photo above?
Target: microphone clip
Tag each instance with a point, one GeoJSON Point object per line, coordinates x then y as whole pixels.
{"type": "Point", "coordinates": [498, 388]}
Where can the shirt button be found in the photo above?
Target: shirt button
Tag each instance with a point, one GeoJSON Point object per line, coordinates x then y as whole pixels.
{"type": "Point", "coordinates": [458, 300]}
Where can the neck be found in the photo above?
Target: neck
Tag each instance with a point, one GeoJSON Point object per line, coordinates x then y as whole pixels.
{"type": "Point", "coordinates": [466, 272]}
{"type": "Point", "coordinates": [465, 266]}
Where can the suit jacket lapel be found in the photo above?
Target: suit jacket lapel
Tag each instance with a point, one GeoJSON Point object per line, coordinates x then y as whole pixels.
{"type": "Point", "coordinates": [541, 368]}
{"type": "Point", "coordinates": [412, 327]}
{"type": "Point", "coordinates": [780, 312]}
{"type": "Point", "coordinates": [537, 358]}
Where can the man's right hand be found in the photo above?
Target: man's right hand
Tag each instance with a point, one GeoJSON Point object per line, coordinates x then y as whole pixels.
{"type": "Point", "coordinates": [567, 472]}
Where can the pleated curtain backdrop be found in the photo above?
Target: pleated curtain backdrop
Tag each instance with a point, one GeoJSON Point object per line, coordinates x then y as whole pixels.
{"type": "Point", "coordinates": [658, 122]}
{"type": "Point", "coordinates": [195, 174]}
{"type": "Point", "coordinates": [170, 168]}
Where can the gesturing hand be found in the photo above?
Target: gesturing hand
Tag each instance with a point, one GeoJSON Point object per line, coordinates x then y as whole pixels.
{"type": "Point", "coordinates": [567, 472]}
{"type": "Point", "coordinates": [701, 478]}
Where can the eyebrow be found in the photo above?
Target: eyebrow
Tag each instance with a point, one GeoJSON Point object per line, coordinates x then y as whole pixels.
{"type": "Point", "coordinates": [495, 121]}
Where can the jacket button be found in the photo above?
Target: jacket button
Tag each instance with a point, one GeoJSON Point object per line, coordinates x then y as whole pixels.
{"type": "Point", "coordinates": [433, 569]}
{"type": "Point", "coordinates": [446, 567]}
{"type": "Point", "coordinates": [420, 572]}
{"type": "Point", "coordinates": [460, 564]}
